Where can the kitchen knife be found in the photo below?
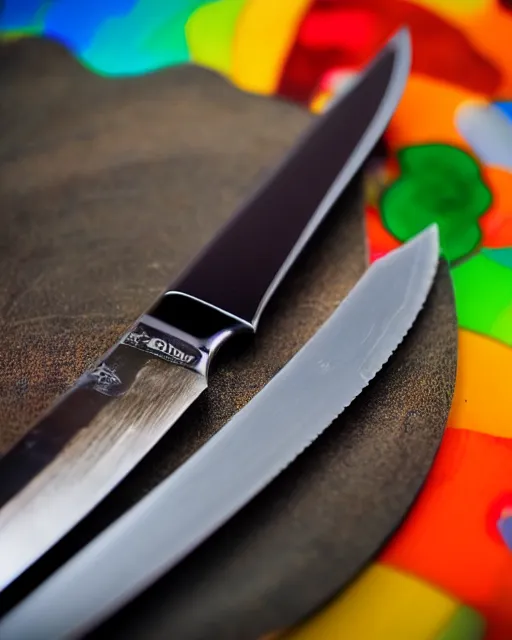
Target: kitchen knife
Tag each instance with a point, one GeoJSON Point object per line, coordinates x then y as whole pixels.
{"type": "Point", "coordinates": [116, 412]}
{"type": "Point", "coordinates": [295, 407]}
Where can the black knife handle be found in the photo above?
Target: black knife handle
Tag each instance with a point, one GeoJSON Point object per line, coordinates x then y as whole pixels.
{"type": "Point", "coordinates": [239, 270]}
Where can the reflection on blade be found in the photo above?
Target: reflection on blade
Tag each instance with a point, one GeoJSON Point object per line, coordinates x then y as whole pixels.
{"type": "Point", "coordinates": [261, 440]}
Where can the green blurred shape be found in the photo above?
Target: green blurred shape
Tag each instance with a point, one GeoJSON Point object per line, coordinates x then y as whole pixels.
{"type": "Point", "coordinates": [483, 296]}
{"type": "Point", "coordinates": [466, 624]}
{"type": "Point", "coordinates": [438, 183]}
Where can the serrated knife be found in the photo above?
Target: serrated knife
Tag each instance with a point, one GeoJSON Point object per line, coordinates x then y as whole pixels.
{"type": "Point", "coordinates": [116, 412]}
{"type": "Point", "coordinates": [263, 438]}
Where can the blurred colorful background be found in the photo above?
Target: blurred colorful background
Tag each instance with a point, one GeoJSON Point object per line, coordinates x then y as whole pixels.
{"type": "Point", "coordinates": [447, 573]}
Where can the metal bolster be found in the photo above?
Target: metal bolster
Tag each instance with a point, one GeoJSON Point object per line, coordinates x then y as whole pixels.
{"type": "Point", "coordinates": [184, 331]}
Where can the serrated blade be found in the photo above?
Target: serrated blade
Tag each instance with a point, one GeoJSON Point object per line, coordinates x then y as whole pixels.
{"type": "Point", "coordinates": [298, 404]}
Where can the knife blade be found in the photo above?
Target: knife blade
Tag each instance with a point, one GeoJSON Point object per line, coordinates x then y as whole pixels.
{"type": "Point", "coordinates": [116, 412]}
{"type": "Point", "coordinates": [262, 439]}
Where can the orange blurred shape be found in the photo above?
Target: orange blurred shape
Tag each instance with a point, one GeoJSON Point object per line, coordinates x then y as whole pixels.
{"type": "Point", "coordinates": [414, 122]}
{"type": "Point", "coordinates": [496, 224]}
{"type": "Point", "coordinates": [489, 32]}
{"type": "Point", "coordinates": [450, 538]}
{"type": "Point", "coordinates": [482, 393]}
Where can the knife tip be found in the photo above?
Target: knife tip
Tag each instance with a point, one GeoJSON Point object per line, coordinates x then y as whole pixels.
{"type": "Point", "coordinates": [426, 247]}
{"type": "Point", "coordinates": [401, 39]}
{"type": "Point", "coordinates": [429, 236]}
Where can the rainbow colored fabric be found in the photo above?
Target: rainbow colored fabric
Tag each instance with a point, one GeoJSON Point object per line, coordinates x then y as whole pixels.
{"type": "Point", "coordinates": [447, 573]}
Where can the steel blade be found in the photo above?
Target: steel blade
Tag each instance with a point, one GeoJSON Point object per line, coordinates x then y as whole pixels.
{"type": "Point", "coordinates": [260, 441]}
{"type": "Point", "coordinates": [100, 455]}
{"type": "Point", "coordinates": [95, 434]}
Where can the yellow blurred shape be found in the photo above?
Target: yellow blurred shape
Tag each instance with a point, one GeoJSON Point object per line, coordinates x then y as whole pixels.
{"type": "Point", "coordinates": [265, 33]}
{"type": "Point", "coordinates": [455, 8]}
{"type": "Point", "coordinates": [381, 604]}
{"type": "Point", "coordinates": [210, 31]}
